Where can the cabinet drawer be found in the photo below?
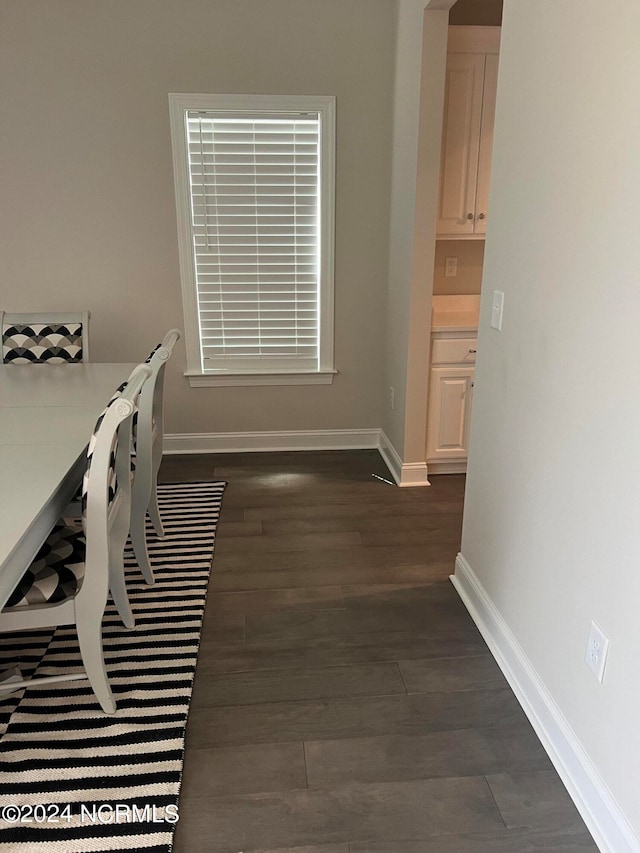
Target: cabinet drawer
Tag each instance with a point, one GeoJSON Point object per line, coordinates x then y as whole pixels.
{"type": "Point", "coordinates": [454, 351]}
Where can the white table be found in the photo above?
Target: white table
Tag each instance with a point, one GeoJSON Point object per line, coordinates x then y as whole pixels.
{"type": "Point", "coordinates": [47, 414]}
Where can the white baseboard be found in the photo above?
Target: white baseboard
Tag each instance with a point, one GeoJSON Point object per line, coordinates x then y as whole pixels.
{"type": "Point", "coordinates": [600, 812]}
{"type": "Point", "coordinates": [404, 473]}
{"type": "Point", "coordinates": [390, 456]}
{"type": "Point", "coordinates": [247, 442]}
{"type": "Point", "coordinates": [414, 474]}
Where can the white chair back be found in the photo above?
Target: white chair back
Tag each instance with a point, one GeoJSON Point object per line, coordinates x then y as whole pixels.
{"type": "Point", "coordinates": [106, 516]}
{"type": "Point", "coordinates": [149, 434]}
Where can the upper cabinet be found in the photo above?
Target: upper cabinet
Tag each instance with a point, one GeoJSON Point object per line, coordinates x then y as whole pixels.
{"type": "Point", "coordinates": [467, 135]}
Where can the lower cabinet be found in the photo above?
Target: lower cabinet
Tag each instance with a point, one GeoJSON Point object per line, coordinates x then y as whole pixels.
{"type": "Point", "coordinates": [449, 414]}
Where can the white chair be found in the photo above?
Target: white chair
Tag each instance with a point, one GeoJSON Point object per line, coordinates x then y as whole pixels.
{"type": "Point", "coordinates": [55, 338]}
{"type": "Point", "coordinates": [148, 435]}
{"type": "Point", "coordinates": [69, 580]}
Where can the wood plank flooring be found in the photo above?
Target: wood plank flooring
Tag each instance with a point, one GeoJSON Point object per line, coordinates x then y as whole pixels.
{"type": "Point", "coordinates": [344, 701]}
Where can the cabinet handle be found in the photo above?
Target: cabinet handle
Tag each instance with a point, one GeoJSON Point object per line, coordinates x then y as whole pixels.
{"type": "Point", "coordinates": [481, 216]}
{"type": "Point", "coordinates": [473, 351]}
{"type": "Point", "coordinates": [469, 215]}
{"type": "Point", "coordinates": [472, 384]}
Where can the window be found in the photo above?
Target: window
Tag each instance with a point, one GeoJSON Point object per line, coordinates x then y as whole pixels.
{"type": "Point", "coordinates": [254, 177]}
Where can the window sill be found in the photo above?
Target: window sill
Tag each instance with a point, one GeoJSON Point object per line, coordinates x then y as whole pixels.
{"type": "Point", "coordinates": [218, 380]}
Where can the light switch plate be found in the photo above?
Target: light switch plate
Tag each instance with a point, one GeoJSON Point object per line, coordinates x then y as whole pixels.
{"type": "Point", "coordinates": [497, 308]}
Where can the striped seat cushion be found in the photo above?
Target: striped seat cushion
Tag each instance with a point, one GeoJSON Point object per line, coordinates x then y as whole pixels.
{"type": "Point", "coordinates": [54, 343]}
{"type": "Point", "coordinates": [57, 571]}
{"type": "Point", "coordinates": [134, 437]}
{"type": "Point", "coordinates": [81, 494]}
{"type": "Point", "coordinates": [152, 353]}
{"type": "Point", "coordinates": [134, 425]}
{"type": "Point", "coordinates": [112, 480]}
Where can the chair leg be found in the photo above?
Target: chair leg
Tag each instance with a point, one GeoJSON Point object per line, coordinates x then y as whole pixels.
{"type": "Point", "coordinates": [89, 627]}
{"type": "Point", "coordinates": [139, 542]}
{"type": "Point", "coordinates": [118, 587]}
{"type": "Point", "coordinates": [154, 511]}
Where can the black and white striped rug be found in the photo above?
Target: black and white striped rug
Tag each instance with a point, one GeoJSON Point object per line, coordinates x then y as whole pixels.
{"type": "Point", "coordinates": [73, 780]}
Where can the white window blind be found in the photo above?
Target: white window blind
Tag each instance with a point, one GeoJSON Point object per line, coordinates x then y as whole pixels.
{"type": "Point", "coordinates": [254, 185]}
{"type": "Point", "coordinates": [255, 188]}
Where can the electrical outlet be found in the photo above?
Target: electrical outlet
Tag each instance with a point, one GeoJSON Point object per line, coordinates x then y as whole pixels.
{"type": "Point", "coordinates": [497, 307]}
{"type": "Point", "coordinates": [392, 395]}
{"type": "Point", "coordinates": [597, 648]}
{"type": "Point", "coordinates": [450, 267]}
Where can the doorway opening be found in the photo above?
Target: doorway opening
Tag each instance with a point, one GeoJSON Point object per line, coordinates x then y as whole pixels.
{"type": "Point", "coordinates": [462, 219]}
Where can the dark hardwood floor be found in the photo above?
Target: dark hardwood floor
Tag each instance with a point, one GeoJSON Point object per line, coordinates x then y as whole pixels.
{"type": "Point", "coordinates": [344, 701]}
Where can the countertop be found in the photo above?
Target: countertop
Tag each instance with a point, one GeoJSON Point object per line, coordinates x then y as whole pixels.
{"type": "Point", "coordinates": [455, 313]}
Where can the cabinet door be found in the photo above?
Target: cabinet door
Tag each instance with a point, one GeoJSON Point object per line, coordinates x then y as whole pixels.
{"type": "Point", "coordinates": [449, 413]}
{"type": "Point", "coordinates": [486, 141]}
{"type": "Point", "coordinates": [460, 143]}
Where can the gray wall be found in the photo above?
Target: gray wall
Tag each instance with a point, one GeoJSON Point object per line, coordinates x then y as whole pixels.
{"type": "Point", "coordinates": [551, 514]}
{"type": "Point", "coordinates": [87, 213]}
{"type": "Point", "coordinates": [419, 99]}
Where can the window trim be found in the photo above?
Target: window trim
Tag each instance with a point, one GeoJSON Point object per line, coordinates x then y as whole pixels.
{"type": "Point", "coordinates": [179, 104]}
